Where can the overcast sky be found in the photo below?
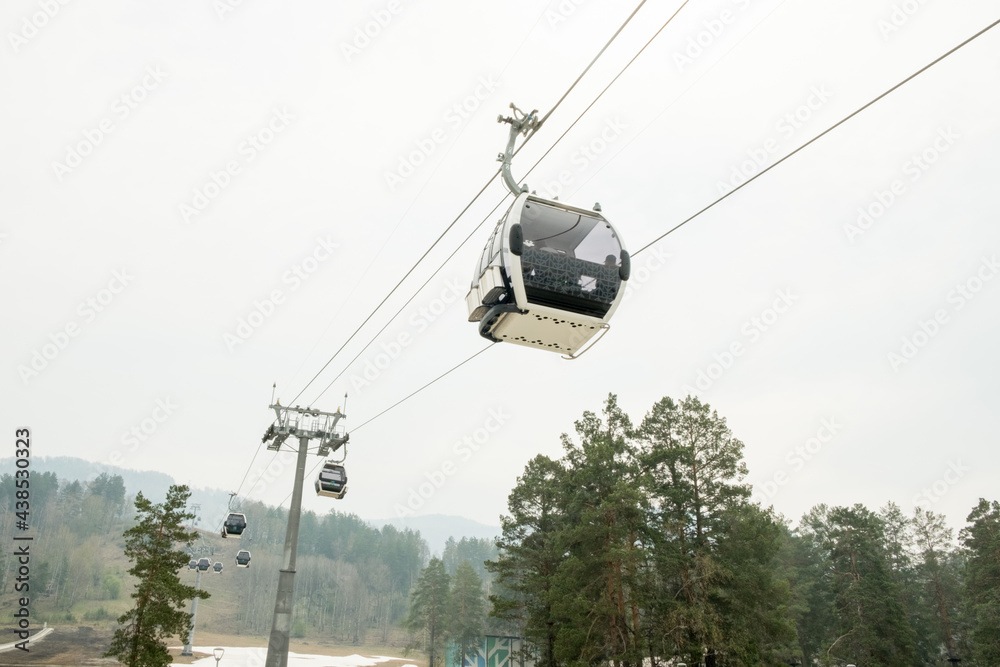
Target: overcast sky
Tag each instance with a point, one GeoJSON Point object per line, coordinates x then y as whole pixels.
{"type": "Point", "coordinates": [201, 198]}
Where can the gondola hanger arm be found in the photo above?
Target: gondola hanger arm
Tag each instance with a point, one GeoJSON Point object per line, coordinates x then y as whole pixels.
{"type": "Point", "coordinates": [520, 123]}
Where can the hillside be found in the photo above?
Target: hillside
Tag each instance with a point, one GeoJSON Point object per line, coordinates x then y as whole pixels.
{"type": "Point", "coordinates": [353, 580]}
{"type": "Point", "coordinates": [213, 503]}
{"type": "Point", "coordinates": [437, 528]}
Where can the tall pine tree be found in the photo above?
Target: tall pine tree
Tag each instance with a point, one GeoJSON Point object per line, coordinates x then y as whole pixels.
{"type": "Point", "coordinates": [152, 545]}
{"type": "Point", "coordinates": [429, 607]}
{"type": "Point", "coordinates": [597, 586]}
{"type": "Point", "coordinates": [530, 556]}
{"type": "Point", "coordinates": [467, 607]}
{"type": "Point", "coordinates": [939, 578]}
{"type": "Point", "coordinates": [982, 584]}
{"type": "Point", "coordinates": [717, 601]}
{"type": "Point", "coordinates": [873, 626]}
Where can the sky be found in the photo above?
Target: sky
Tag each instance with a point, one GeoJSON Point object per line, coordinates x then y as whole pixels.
{"type": "Point", "coordinates": [201, 199]}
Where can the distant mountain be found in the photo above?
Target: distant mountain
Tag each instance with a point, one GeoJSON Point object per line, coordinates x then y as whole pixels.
{"type": "Point", "coordinates": [437, 528]}
{"type": "Point", "coordinates": [213, 503]}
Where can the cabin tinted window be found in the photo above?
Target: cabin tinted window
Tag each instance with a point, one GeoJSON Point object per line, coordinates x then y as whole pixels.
{"type": "Point", "coordinates": [570, 259]}
{"type": "Point", "coordinates": [568, 233]}
{"type": "Point", "coordinates": [491, 251]}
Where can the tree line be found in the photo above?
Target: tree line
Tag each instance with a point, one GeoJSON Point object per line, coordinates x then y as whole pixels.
{"type": "Point", "coordinates": [72, 520]}
{"type": "Point", "coordinates": [641, 544]}
{"type": "Point", "coordinates": [353, 580]}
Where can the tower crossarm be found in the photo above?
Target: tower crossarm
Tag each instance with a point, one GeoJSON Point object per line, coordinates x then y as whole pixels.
{"type": "Point", "coordinates": [307, 423]}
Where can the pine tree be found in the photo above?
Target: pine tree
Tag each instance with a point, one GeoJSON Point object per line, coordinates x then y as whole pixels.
{"type": "Point", "coordinates": [810, 606]}
{"type": "Point", "coordinates": [160, 596]}
{"type": "Point", "coordinates": [642, 544]}
{"type": "Point", "coordinates": [982, 583]}
{"type": "Point", "coordinates": [874, 628]}
{"type": "Point", "coordinates": [902, 559]}
{"type": "Point", "coordinates": [937, 575]}
{"type": "Point", "coordinates": [530, 555]}
{"type": "Point", "coordinates": [597, 587]}
{"type": "Point", "coordinates": [467, 605]}
{"type": "Point", "coordinates": [429, 606]}
{"type": "Point", "coordinates": [717, 598]}
{"type": "Point", "coordinates": [816, 618]}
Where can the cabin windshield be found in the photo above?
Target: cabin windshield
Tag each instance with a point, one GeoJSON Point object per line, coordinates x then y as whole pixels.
{"type": "Point", "coordinates": [570, 259]}
{"type": "Point", "coordinates": [577, 235]}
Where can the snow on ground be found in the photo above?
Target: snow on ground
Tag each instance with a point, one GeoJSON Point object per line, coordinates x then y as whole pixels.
{"type": "Point", "coordinates": [255, 657]}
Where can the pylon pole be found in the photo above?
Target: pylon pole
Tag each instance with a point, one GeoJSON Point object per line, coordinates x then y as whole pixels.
{"type": "Point", "coordinates": [194, 613]}
{"type": "Point", "coordinates": [305, 424]}
{"type": "Point", "coordinates": [281, 626]}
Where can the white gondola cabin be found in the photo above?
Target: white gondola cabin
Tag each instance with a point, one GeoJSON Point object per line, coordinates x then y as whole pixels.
{"type": "Point", "coordinates": [234, 525]}
{"type": "Point", "coordinates": [217, 567]}
{"type": "Point", "coordinates": [243, 558]}
{"type": "Point", "coordinates": [550, 277]}
{"type": "Point", "coordinates": [332, 481]}
{"type": "Point", "coordinates": [204, 564]}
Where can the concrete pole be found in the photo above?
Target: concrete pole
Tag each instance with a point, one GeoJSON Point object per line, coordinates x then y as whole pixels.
{"type": "Point", "coordinates": [194, 612]}
{"type": "Point", "coordinates": [277, 645]}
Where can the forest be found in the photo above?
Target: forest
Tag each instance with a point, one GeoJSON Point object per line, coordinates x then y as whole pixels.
{"type": "Point", "coordinates": [353, 581]}
{"type": "Point", "coordinates": [640, 546]}
{"type": "Point", "coordinates": [641, 543]}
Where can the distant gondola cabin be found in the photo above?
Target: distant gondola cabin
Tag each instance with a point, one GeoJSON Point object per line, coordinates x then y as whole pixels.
{"type": "Point", "coordinates": [234, 525]}
{"type": "Point", "coordinates": [332, 481]}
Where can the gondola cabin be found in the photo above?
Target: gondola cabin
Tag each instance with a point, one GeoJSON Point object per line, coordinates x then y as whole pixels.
{"type": "Point", "coordinates": [550, 277]}
{"type": "Point", "coordinates": [204, 564]}
{"type": "Point", "coordinates": [234, 525]}
{"type": "Point", "coordinates": [332, 481]}
{"type": "Point", "coordinates": [217, 567]}
{"type": "Point", "coordinates": [193, 564]}
{"type": "Point", "coordinates": [243, 558]}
